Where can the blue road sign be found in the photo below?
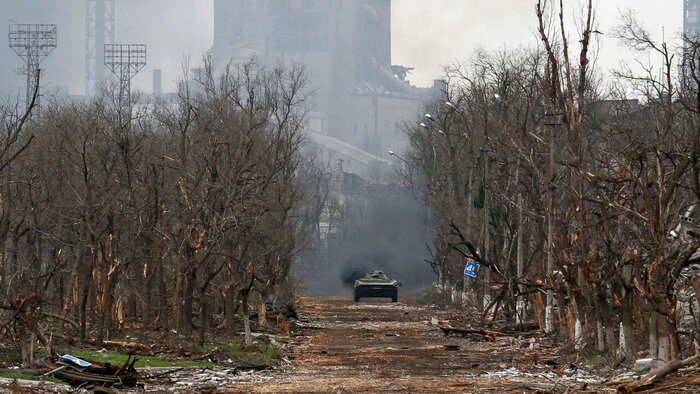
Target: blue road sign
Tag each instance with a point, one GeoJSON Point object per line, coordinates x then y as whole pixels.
{"type": "Point", "coordinates": [472, 268]}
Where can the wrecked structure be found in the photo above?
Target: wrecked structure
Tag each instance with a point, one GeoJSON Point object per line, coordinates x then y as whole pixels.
{"type": "Point", "coordinates": [691, 17]}
{"type": "Point", "coordinates": [359, 97]}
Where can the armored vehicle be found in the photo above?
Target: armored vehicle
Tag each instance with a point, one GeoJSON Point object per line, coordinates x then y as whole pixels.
{"type": "Point", "coordinates": [376, 284]}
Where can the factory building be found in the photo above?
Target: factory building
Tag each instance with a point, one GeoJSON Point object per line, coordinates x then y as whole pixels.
{"type": "Point", "coordinates": [359, 98]}
{"type": "Point", "coordinates": [691, 17]}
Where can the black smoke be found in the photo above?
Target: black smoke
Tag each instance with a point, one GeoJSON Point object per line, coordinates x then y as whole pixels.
{"type": "Point", "coordinates": [385, 227]}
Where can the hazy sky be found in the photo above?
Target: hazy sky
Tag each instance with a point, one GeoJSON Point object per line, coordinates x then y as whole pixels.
{"type": "Point", "coordinates": [428, 34]}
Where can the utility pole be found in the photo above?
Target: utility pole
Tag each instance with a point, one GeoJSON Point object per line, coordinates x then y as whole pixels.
{"type": "Point", "coordinates": [33, 43]}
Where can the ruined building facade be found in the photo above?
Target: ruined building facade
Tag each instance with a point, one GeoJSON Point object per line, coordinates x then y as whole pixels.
{"type": "Point", "coordinates": [359, 98]}
{"type": "Point", "coordinates": [691, 17]}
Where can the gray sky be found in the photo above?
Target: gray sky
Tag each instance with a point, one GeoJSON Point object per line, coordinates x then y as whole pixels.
{"type": "Point", "coordinates": [428, 34]}
{"type": "Point", "coordinates": [427, 37]}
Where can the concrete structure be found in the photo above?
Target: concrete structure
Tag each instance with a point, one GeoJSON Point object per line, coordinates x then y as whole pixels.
{"type": "Point", "coordinates": [359, 97]}
{"type": "Point", "coordinates": [691, 17]}
{"type": "Point", "coordinates": [157, 82]}
{"type": "Point", "coordinates": [356, 161]}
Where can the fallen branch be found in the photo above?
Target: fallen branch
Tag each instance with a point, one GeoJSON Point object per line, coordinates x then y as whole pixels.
{"type": "Point", "coordinates": [550, 387]}
{"type": "Point", "coordinates": [448, 330]}
{"type": "Point", "coordinates": [63, 319]}
{"type": "Point", "coordinates": [667, 389]}
{"type": "Point", "coordinates": [161, 374]}
{"type": "Point", "coordinates": [209, 355]}
{"type": "Point", "coordinates": [127, 344]}
{"type": "Point", "coordinates": [660, 373]}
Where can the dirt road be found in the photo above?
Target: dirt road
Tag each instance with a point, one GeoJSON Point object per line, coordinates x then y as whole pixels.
{"type": "Point", "coordinates": [371, 347]}
{"type": "Point", "coordinates": [394, 347]}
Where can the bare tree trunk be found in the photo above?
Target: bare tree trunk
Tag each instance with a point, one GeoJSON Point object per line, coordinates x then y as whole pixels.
{"type": "Point", "coordinates": [245, 314]}
{"type": "Point", "coordinates": [611, 338]}
{"type": "Point", "coordinates": [83, 308]}
{"type": "Point", "coordinates": [663, 337]}
{"type": "Point", "coordinates": [487, 235]}
{"type": "Point", "coordinates": [605, 326]}
{"type": "Point", "coordinates": [100, 276]}
{"type": "Point", "coordinates": [73, 297]}
{"type": "Point", "coordinates": [188, 301]}
{"type": "Point", "coordinates": [262, 313]}
{"type": "Point", "coordinates": [600, 334]}
{"type": "Point", "coordinates": [2, 267]}
{"type": "Point", "coordinates": [230, 308]}
{"type": "Point", "coordinates": [549, 311]}
{"type": "Point", "coordinates": [161, 297]}
{"type": "Point", "coordinates": [520, 270]}
{"type": "Point", "coordinates": [457, 289]}
{"type": "Point", "coordinates": [28, 348]}
{"type": "Point", "coordinates": [563, 312]}
{"type": "Point", "coordinates": [672, 329]}
{"type": "Point", "coordinates": [103, 275]}
{"type": "Point", "coordinates": [585, 301]}
{"type": "Point", "coordinates": [539, 310]}
{"type": "Point", "coordinates": [696, 286]}
{"type": "Point", "coordinates": [204, 318]}
{"type": "Point", "coordinates": [653, 335]}
{"type": "Point", "coordinates": [147, 287]}
{"type": "Point", "coordinates": [571, 317]}
{"type": "Point", "coordinates": [628, 341]}
{"type": "Point", "coordinates": [179, 293]}
{"type": "Point", "coordinates": [628, 349]}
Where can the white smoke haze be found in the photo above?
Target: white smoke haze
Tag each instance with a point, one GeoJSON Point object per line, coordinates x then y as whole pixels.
{"type": "Point", "coordinates": [426, 34]}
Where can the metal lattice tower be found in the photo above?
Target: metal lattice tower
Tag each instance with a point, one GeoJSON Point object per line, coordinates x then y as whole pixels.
{"type": "Point", "coordinates": [100, 30]}
{"type": "Point", "coordinates": [32, 43]}
{"type": "Point", "coordinates": [125, 60]}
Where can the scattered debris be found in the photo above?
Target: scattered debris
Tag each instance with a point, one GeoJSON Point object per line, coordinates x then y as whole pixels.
{"type": "Point", "coordinates": [308, 326]}
{"type": "Point", "coordinates": [552, 387]}
{"type": "Point", "coordinates": [643, 364]}
{"type": "Point", "coordinates": [627, 384]}
{"type": "Point", "coordinates": [342, 346]}
{"type": "Point", "coordinates": [167, 371]}
{"type": "Point", "coordinates": [82, 372]}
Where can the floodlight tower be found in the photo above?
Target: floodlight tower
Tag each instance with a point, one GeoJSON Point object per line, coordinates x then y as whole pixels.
{"type": "Point", "coordinates": [100, 30]}
{"type": "Point", "coordinates": [32, 43]}
{"type": "Point", "coordinates": [125, 60]}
